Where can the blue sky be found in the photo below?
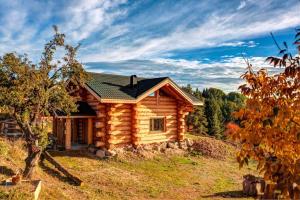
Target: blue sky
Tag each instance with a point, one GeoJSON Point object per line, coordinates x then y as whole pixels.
{"type": "Point", "coordinates": [196, 42]}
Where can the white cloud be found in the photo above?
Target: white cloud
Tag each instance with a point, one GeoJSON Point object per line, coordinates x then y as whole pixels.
{"type": "Point", "coordinates": [242, 5]}
{"type": "Point", "coordinates": [86, 18]}
{"type": "Point", "coordinates": [217, 30]}
{"type": "Point", "coordinates": [224, 74]}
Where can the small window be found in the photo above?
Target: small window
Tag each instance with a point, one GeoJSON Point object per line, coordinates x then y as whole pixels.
{"type": "Point", "coordinates": [157, 124]}
{"type": "Point", "coordinates": [152, 94]}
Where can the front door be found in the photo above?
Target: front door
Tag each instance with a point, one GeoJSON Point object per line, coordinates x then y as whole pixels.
{"type": "Point", "coordinates": [79, 131]}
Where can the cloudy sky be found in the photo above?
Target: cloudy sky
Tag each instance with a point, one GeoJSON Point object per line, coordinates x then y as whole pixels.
{"type": "Point", "coordinates": [196, 42]}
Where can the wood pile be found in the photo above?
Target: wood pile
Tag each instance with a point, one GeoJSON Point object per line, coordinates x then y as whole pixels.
{"type": "Point", "coordinates": [253, 186]}
{"type": "Point", "coordinates": [211, 148]}
{"type": "Point", "coordinates": [257, 187]}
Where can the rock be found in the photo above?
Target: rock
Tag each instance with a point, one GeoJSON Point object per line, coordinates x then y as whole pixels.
{"type": "Point", "coordinates": [156, 148]}
{"type": "Point", "coordinates": [163, 145]}
{"type": "Point", "coordinates": [148, 147]}
{"type": "Point", "coordinates": [147, 154]}
{"type": "Point", "coordinates": [189, 142]}
{"type": "Point", "coordinates": [119, 150]}
{"type": "Point", "coordinates": [171, 151]}
{"type": "Point", "coordinates": [110, 153]}
{"type": "Point", "coordinates": [92, 149]}
{"type": "Point", "coordinates": [172, 145]}
{"type": "Point", "coordinates": [182, 145]}
{"type": "Point", "coordinates": [100, 154]}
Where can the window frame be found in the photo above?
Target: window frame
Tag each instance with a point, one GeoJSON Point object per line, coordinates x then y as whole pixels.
{"type": "Point", "coordinates": [164, 124]}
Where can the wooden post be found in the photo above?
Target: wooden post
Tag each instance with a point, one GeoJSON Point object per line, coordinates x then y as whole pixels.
{"type": "Point", "coordinates": [90, 131]}
{"type": "Point", "coordinates": [54, 126]}
{"type": "Point", "coordinates": [68, 145]}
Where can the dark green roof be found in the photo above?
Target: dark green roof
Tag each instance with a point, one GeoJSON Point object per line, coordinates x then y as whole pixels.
{"type": "Point", "coordinates": [110, 86]}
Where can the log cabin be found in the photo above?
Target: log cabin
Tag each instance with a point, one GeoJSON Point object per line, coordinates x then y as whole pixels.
{"type": "Point", "coordinates": [115, 110]}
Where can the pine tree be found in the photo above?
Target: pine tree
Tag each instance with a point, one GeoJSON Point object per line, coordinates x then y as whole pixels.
{"type": "Point", "coordinates": [198, 120]}
{"type": "Point", "coordinates": [213, 114]}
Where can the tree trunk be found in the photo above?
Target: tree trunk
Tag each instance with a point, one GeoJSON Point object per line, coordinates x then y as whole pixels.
{"type": "Point", "coordinates": [34, 154]}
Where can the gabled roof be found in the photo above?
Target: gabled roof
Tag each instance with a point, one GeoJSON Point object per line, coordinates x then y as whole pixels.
{"type": "Point", "coordinates": [110, 88]}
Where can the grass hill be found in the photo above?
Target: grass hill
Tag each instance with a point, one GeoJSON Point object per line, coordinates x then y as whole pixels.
{"type": "Point", "coordinates": [163, 176]}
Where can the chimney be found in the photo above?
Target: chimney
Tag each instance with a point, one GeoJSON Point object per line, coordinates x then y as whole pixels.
{"type": "Point", "coordinates": [133, 81]}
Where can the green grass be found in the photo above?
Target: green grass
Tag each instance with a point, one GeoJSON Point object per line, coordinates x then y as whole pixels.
{"type": "Point", "coordinates": [133, 177]}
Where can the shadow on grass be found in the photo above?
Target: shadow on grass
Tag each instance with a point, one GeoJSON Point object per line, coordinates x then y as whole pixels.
{"type": "Point", "coordinates": [227, 194]}
{"type": "Point", "coordinates": [55, 173]}
{"type": "Point", "coordinates": [73, 153]}
{"type": "Point", "coordinates": [6, 171]}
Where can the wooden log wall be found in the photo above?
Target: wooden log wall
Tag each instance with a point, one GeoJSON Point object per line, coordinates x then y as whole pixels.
{"type": "Point", "coordinates": [181, 114]}
{"type": "Point", "coordinates": [135, 138]}
{"type": "Point", "coordinates": [119, 126]}
{"type": "Point", "coordinates": [150, 107]}
{"type": "Point", "coordinates": [98, 123]}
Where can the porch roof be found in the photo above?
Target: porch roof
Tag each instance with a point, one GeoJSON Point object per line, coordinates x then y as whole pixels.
{"type": "Point", "coordinates": [83, 110]}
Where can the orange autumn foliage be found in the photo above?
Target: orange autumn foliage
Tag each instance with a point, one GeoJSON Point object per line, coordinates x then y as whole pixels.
{"type": "Point", "coordinates": [270, 122]}
{"type": "Point", "coordinates": [231, 128]}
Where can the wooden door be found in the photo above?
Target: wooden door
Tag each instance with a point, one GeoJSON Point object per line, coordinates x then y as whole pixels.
{"type": "Point", "coordinates": [81, 131]}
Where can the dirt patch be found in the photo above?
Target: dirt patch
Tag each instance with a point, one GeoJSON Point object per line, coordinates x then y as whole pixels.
{"type": "Point", "coordinates": [212, 148]}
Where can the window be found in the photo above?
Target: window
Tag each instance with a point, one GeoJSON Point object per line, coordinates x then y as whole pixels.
{"type": "Point", "coordinates": [152, 94]}
{"type": "Point", "coordinates": [157, 124]}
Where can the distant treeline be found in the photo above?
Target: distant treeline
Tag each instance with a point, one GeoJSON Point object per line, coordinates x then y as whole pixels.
{"type": "Point", "coordinates": [217, 110]}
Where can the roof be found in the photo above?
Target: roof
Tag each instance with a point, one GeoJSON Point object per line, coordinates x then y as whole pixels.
{"type": "Point", "coordinates": [83, 109]}
{"type": "Point", "coordinates": [117, 87]}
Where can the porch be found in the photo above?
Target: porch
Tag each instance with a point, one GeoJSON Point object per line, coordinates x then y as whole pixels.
{"type": "Point", "coordinates": [74, 131]}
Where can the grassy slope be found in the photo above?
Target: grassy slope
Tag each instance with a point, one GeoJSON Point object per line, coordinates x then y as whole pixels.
{"type": "Point", "coordinates": [131, 177]}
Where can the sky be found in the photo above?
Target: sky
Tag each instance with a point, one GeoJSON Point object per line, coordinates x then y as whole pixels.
{"type": "Point", "coordinates": [198, 42]}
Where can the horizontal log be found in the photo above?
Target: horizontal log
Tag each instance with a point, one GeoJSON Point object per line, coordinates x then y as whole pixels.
{"type": "Point", "coordinates": [181, 137]}
{"type": "Point", "coordinates": [99, 124]}
{"type": "Point", "coordinates": [157, 134]}
{"type": "Point", "coordinates": [119, 123]}
{"type": "Point", "coordinates": [100, 114]}
{"type": "Point", "coordinates": [113, 141]}
{"type": "Point", "coordinates": [121, 128]}
{"type": "Point", "coordinates": [156, 141]}
{"type": "Point", "coordinates": [153, 106]}
{"type": "Point", "coordinates": [120, 137]}
{"type": "Point", "coordinates": [157, 113]}
{"type": "Point", "coordinates": [100, 134]}
{"type": "Point", "coordinates": [99, 144]}
{"type": "Point", "coordinates": [121, 114]}
{"type": "Point", "coordinates": [147, 117]}
{"type": "Point", "coordinates": [101, 106]}
{"type": "Point", "coordinates": [120, 132]}
{"type": "Point", "coordinates": [169, 126]}
{"type": "Point", "coordinates": [147, 132]}
{"type": "Point", "coordinates": [158, 109]}
{"type": "Point", "coordinates": [123, 110]}
{"type": "Point", "coordinates": [100, 120]}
